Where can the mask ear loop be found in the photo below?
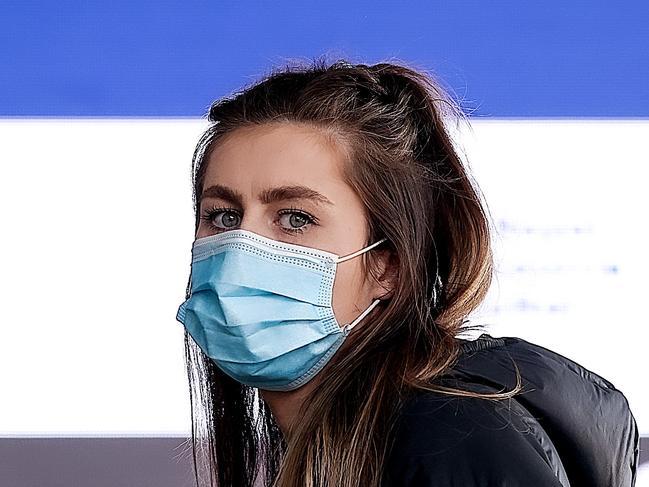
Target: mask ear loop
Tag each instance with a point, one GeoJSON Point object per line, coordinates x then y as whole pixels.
{"type": "Point", "coordinates": [351, 325]}
{"type": "Point", "coordinates": [358, 252]}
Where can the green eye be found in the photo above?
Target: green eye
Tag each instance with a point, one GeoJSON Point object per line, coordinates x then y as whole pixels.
{"type": "Point", "coordinates": [227, 217]}
{"type": "Point", "coordinates": [297, 220]}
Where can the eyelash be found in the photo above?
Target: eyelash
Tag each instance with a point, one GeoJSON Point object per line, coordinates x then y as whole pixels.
{"type": "Point", "coordinates": [214, 210]}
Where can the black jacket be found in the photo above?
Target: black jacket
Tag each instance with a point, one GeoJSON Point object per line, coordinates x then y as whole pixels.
{"type": "Point", "coordinates": [569, 426]}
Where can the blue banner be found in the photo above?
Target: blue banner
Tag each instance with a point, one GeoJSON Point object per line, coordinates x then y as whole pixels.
{"type": "Point", "coordinates": [167, 58]}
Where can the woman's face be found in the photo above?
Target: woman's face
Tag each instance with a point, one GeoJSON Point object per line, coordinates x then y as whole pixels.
{"type": "Point", "coordinates": [283, 181]}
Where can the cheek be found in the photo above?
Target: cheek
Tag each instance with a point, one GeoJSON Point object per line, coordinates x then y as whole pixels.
{"type": "Point", "coordinates": [347, 289]}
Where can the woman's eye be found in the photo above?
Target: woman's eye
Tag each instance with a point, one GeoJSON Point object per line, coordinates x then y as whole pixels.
{"type": "Point", "coordinates": [296, 221]}
{"type": "Point", "coordinates": [221, 218]}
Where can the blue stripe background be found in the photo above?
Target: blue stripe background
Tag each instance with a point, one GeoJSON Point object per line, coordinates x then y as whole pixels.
{"type": "Point", "coordinates": [172, 58]}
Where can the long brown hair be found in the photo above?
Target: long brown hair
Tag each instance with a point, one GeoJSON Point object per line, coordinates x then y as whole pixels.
{"type": "Point", "coordinates": [392, 122]}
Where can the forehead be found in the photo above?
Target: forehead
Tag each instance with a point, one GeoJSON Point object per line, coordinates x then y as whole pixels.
{"type": "Point", "coordinates": [276, 154]}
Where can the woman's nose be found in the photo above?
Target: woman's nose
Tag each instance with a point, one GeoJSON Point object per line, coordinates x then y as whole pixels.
{"type": "Point", "coordinates": [257, 222]}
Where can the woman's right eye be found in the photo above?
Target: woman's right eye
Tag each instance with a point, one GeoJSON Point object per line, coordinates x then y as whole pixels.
{"type": "Point", "coordinates": [221, 218]}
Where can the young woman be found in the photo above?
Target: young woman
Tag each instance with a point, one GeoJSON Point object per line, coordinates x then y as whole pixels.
{"type": "Point", "coordinates": [340, 246]}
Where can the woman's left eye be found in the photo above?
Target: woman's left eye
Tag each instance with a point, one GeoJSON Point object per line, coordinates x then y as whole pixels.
{"type": "Point", "coordinates": [295, 221]}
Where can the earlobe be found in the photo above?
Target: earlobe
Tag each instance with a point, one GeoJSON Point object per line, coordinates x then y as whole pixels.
{"type": "Point", "coordinates": [387, 295]}
{"type": "Point", "coordinates": [388, 287]}
{"type": "Point", "coordinates": [388, 280]}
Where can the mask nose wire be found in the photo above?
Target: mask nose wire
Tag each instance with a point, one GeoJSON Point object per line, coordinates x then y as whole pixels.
{"type": "Point", "coordinates": [358, 252]}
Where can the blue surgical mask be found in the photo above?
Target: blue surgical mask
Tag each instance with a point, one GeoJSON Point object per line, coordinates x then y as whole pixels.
{"type": "Point", "coordinates": [262, 310]}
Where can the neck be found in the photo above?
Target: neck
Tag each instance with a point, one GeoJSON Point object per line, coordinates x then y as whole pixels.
{"type": "Point", "coordinates": [285, 405]}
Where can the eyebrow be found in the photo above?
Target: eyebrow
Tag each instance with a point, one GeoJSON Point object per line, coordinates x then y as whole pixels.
{"type": "Point", "coordinates": [281, 193]}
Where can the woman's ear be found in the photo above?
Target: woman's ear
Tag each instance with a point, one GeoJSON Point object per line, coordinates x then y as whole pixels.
{"type": "Point", "coordinates": [386, 274]}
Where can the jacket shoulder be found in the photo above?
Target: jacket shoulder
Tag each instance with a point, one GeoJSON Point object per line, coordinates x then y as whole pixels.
{"type": "Point", "coordinates": [587, 418]}
{"type": "Point", "coordinates": [447, 440]}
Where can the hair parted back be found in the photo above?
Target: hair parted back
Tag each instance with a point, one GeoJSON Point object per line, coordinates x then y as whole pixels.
{"type": "Point", "coordinates": [391, 123]}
